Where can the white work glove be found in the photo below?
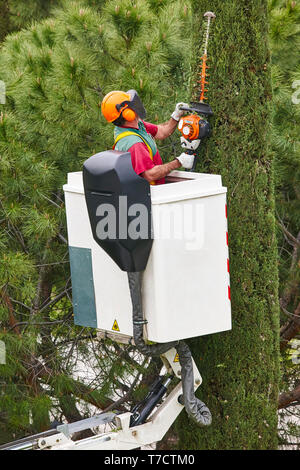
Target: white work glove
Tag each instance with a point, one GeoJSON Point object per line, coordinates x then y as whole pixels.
{"type": "Point", "coordinates": [186, 160]}
{"type": "Point", "coordinates": [177, 113]}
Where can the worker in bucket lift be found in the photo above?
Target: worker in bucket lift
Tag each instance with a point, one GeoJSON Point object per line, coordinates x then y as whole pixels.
{"type": "Point", "coordinates": [126, 111]}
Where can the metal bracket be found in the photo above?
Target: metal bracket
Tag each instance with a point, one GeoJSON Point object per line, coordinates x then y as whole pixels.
{"type": "Point", "coordinates": [52, 441]}
{"type": "Point", "coordinates": [88, 423]}
{"type": "Point", "coordinates": [171, 360]}
{"type": "Point", "coordinates": [123, 421]}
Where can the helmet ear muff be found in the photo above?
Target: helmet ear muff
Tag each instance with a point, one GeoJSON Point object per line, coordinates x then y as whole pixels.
{"type": "Point", "coordinates": [128, 114]}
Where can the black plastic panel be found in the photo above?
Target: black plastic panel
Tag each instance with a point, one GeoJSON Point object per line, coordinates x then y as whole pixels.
{"type": "Point", "coordinates": [112, 186]}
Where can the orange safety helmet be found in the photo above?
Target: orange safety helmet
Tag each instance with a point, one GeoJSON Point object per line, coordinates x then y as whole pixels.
{"type": "Point", "coordinates": [128, 104]}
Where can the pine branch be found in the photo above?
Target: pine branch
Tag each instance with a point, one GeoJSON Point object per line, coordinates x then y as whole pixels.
{"type": "Point", "coordinates": [291, 329]}
{"type": "Point", "coordinates": [68, 341]}
{"type": "Point", "coordinates": [87, 394]}
{"type": "Point", "coordinates": [20, 303]}
{"type": "Point", "coordinates": [127, 396]}
{"type": "Point", "coordinates": [58, 263]}
{"type": "Point", "coordinates": [290, 238]}
{"type": "Point", "coordinates": [49, 200]}
{"type": "Point", "coordinates": [16, 232]}
{"type": "Point", "coordinates": [41, 323]}
{"type": "Point", "coordinates": [62, 238]}
{"type": "Point", "coordinates": [44, 287]}
{"type": "Point", "coordinates": [12, 320]}
{"type": "Point", "coordinates": [56, 299]}
{"type": "Point", "coordinates": [287, 398]}
{"type": "Point", "coordinates": [293, 404]}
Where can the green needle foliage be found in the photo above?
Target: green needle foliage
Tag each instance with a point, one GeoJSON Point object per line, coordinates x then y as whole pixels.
{"type": "Point", "coordinates": [241, 367]}
{"type": "Point", "coordinates": [4, 19]}
{"type": "Point", "coordinates": [56, 74]}
{"type": "Point", "coordinates": [16, 14]}
{"type": "Point", "coordinates": [285, 44]}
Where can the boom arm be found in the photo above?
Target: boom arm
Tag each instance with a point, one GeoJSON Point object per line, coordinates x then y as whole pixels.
{"type": "Point", "coordinates": [124, 437]}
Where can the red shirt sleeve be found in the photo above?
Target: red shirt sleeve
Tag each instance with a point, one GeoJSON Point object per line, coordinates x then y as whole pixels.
{"type": "Point", "coordinates": [140, 158]}
{"type": "Point", "coordinates": [150, 128]}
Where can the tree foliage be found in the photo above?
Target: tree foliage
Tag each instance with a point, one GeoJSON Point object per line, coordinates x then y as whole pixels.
{"type": "Point", "coordinates": [241, 367]}
{"type": "Point", "coordinates": [56, 74]}
{"type": "Point", "coordinates": [16, 14]}
{"type": "Point", "coordinates": [285, 43]}
{"type": "Point", "coordinates": [4, 19]}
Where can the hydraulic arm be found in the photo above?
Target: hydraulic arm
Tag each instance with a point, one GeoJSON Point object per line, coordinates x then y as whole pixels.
{"type": "Point", "coordinates": [127, 431]}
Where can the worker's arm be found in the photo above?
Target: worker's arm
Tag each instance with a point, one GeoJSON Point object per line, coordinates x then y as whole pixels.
{"type": "Point", "coordinates": [160, 171]}
{"type": "Point", "coordinates": [166, 129]}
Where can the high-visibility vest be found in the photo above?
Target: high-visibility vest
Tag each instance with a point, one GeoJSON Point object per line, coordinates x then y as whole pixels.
{"type": "Point", "coordinates": [127, 133]}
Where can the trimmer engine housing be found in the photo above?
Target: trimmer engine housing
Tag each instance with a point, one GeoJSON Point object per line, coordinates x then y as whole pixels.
{"type": "Point", "coordinates": [193, 127]}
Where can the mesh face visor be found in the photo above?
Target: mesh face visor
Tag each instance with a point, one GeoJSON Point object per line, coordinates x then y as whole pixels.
{"type": "Point", "coordinates": [134, 103]}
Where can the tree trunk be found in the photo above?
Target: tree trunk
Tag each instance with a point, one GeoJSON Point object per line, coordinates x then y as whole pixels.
{"type": "Point", "coordinates": [240, 368]}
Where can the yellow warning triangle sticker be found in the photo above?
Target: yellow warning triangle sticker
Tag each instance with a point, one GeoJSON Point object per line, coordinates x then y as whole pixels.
{"type": "Point", "coordinates": [176, 358]}
{"type": "Point", "coordinates": [115, 326]}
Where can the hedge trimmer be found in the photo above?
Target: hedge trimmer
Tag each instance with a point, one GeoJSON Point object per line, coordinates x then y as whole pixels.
{"type": "Point", "coordinates": [194, 127]}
